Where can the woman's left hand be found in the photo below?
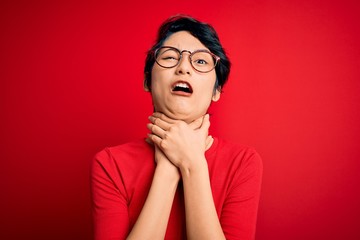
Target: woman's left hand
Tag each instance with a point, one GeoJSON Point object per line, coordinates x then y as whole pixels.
{"type": "Point", "coordinates": [182, 143]}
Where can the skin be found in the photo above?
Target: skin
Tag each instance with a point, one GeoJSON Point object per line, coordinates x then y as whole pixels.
{"type": "Point", "coordinates": [178, 107]}
{"type": "Point", "coordinates": [179, 133]}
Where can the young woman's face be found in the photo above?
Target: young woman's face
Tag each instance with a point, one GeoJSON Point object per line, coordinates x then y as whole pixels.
{"type": "Point", "coordinates": [182, 92]}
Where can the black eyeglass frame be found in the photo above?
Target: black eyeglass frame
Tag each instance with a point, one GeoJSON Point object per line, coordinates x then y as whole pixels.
{"type": "Point", "coordinates": [215, 57]}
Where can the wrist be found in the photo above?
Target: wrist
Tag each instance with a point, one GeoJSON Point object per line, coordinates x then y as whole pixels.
{"type": "Point", "coordinates": [167, 171]}
{"type": "Point", "coordinates": [194, 166]}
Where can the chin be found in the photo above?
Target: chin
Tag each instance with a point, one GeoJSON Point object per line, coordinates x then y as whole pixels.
{"type": "Point", "coordinates": [179, 114]}
{"type": "Point", "coordinates": [183, 116]}
{"type": "Point", "coordinates": [188, 118]}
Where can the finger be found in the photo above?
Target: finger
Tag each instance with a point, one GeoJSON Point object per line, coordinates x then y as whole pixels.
{"type": "Point", "coordinates": [160, 123]}
{"type": "Point", "coordinates": [204, 129]}
{"type": "Point", "coordinates": [205, 124]}
{"type": "Point", "coordinates": [156, 130]}
{"type": "Point", "coordinates": [196, 123]}
{"type": "Point", "coordinates": [155, 139]}
{"type": "Point", "coordinates": [148, 140]}
{"type": "Point", "coordinates": [208, 142]}
{"type": "Point", "coordinates": [209, 139]}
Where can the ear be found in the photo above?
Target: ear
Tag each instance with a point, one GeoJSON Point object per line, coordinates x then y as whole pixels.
{"type": "Point", "coordinates": [145, 83]}
{"type": "Point", "coordinates": [216, 95]}
{"type": "Point", "coordinates": [146, 88]}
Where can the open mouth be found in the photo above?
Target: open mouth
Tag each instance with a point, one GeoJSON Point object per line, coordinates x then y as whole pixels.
{"type": "Point", "coordinates": [182, 87]}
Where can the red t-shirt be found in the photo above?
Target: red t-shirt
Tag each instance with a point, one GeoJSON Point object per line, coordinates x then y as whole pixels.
{"type": "Point", "coordinates": [121, 178]}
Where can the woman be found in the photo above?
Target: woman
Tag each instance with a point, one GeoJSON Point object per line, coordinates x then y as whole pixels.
{"type": "Point", "coordinates": [180, 183]}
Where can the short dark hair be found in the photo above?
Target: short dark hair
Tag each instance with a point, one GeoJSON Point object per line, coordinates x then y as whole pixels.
{"type": "Point", "coordinates": [202, 31]}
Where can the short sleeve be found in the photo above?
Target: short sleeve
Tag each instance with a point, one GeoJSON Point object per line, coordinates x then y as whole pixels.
{"type": "Point", "coordinates": [109, 200]}
{"type": "Point", "coordinates": [239, 213]}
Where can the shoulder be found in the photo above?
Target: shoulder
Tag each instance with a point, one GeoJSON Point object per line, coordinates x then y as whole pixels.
{"type": "Point", "coordinates": [132, 147]}
{"type": "Point", "coordinates": [126, 153]}
{"type": "Point", "coordinates": [124, 164]}
{"type": "Point", "coordinates": [236, 157]}
{"type": "Point", "coordinates": [235, 150]}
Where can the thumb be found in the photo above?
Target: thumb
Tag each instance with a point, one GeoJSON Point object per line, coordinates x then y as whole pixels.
{"type": "Point", "coordinates": [205, 124]}
{"type": "Point", "coordinates": [209, 141]}
{"type": "Point", "coordinates": [196, 124]}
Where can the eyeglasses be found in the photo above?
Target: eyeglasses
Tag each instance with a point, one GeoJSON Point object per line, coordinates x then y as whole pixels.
{"type": "Point", "coordinates": [201, 60]}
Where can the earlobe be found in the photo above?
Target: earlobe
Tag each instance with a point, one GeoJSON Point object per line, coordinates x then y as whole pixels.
{"type": "Point", "coordinates": [216, 95]}
{"type": "Point", "coordinates": [146, 87]}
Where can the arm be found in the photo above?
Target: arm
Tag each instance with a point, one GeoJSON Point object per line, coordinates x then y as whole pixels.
{"type": "Point", "coordinates": [184, 145]}
{"type": "Point", "coordinates": [239, 212]}
{"type": "Point", "coordinates": [110, 209]}
{"type": "Point", "coordinates": [201, 218]}
{"type": "Point", "coordinates": [109, 201]}
{"type": "Point", "coordinates": [155, 213]}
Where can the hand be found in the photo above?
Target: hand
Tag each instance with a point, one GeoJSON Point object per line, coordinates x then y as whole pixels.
{"type": "Point", "coordinates": [182, 143]}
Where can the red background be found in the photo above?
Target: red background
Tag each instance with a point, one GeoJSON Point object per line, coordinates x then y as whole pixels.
{"type": "Point", "coordinates": [71, 84]}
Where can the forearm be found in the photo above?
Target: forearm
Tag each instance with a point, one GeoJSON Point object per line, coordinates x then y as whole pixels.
{"type": "Point", "coordinates": [154, 216]}
{"type": "Point", "coordinates": [202, 221]}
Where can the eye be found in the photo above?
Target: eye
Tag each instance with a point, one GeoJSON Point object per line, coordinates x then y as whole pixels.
{"type": "Point", "coordinates": [169, 55]}
{"type": "Point", "coordinates": [201, 61]}
{"type": "Point", "coordinates": [168, 58]}
{"type": "Point", "coordinates": [201, 58]}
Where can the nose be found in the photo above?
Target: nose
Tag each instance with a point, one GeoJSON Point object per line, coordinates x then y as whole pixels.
{"type": "Point", "coordinates": [184, 66]}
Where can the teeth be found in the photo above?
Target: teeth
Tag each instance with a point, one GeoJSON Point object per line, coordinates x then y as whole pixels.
{"type": "Point", "coordinates": [182, 85]}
